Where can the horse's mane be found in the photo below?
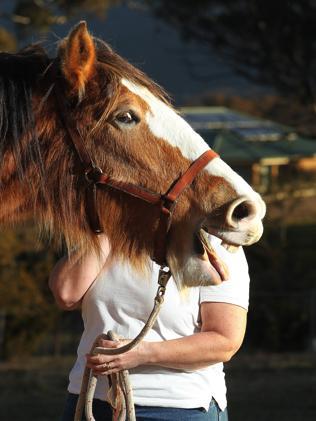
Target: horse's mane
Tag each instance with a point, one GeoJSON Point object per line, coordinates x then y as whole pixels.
{"type": "Point", "coordinates": [18, 73]}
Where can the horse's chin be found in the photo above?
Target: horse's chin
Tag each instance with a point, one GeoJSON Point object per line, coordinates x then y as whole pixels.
{"type": "Point", "coordinates": [197, 272]}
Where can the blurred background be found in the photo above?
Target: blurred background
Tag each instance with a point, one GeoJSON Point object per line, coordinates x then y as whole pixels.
{"type": "Point", "coordinates": [243, 73]}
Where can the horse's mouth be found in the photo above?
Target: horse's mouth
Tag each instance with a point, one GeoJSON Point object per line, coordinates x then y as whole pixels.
{"type": "Point", "coordinates": [206, 252]}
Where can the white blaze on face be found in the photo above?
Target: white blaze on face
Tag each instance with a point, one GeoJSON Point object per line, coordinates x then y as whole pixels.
{"type": "Point", "coordinates": [166, 124]}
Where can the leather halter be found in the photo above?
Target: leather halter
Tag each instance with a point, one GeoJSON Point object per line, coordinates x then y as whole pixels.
{"type": "Point", "coordinates": [95, 178]}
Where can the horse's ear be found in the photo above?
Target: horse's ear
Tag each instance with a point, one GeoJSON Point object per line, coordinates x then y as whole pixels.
{"type": "Point", "coordinates": [78, 56]}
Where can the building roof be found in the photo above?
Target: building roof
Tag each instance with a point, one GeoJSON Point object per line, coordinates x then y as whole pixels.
{"type": "Point", "coordinates": [241, 138]}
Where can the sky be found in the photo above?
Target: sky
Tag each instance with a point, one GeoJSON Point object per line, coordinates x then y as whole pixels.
{"type": "Point", "coordinates": [185, 70]}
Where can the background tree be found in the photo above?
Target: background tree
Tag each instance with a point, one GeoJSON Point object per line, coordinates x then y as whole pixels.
{"type": "Point", "coordinates": [269, 42]}
{"type": "Point", "coordinates": [31, 16]}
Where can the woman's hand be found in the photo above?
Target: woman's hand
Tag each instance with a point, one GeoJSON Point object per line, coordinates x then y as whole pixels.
{"type": "Point", "coordinates": [102, 364]}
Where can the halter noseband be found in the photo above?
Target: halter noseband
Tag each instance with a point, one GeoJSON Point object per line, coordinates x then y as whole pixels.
{"type": "Point", "coordinates": [96, 178]}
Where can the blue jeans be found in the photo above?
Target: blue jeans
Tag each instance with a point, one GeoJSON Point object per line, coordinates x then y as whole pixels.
{"type": "Point", "coordinates": [102, 412]}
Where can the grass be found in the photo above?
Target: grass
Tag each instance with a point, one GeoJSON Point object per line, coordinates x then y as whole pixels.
{"type": "Point", "coordinates": [260, 387]}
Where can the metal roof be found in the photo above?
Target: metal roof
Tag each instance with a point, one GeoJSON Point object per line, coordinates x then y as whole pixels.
{"type": "Point", "coordinates": [240, 138]}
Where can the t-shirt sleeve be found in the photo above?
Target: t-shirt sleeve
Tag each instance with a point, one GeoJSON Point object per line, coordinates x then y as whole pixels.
{"type": "Point", "coordinates": [236, 289]}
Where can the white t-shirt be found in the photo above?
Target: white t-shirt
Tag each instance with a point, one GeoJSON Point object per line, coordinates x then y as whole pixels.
{"type": "Point", "coordinates": [121, 300]}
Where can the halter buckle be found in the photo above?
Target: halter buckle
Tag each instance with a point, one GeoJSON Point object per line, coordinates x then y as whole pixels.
{"type": "Point", "coordinates": [92, 174]}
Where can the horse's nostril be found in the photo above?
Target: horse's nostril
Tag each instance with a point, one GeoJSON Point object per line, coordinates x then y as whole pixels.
{"type": "Point", "coordinates": [241, 210]}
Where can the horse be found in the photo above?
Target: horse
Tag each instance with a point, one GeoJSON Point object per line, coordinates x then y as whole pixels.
{"type": "Point", "coordinates": [131, 136]}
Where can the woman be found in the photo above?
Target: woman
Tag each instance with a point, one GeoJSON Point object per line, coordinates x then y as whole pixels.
{"type": "Point", "coordinates": [177, 372]}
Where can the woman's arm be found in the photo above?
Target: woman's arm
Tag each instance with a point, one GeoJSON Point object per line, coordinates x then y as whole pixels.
{"type": "Point", "coordinates": [222, 333]}
{"type": "Point", "coordinates": [72, 276]}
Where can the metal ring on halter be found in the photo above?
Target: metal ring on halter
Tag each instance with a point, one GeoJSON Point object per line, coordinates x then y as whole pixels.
{"type": "Point", "coordinates": [92, 174]}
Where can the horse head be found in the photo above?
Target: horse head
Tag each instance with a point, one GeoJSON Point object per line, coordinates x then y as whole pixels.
{"type": "Point", "coordinates": [130, 131]}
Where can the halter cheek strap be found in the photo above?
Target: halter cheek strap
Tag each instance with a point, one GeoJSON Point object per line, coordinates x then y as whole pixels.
{"type": "Point", "coordinates": [169, 200]}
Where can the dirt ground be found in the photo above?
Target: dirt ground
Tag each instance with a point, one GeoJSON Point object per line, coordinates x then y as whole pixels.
{"type": "Point", "coordinates": [260, 388]}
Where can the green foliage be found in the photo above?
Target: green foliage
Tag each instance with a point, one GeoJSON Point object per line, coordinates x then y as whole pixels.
{"type": "Point", "coordinates": [25, 301]}
{"type": "Point", "coordinates": [267, 41]}
{"type": "Point", "coordinates": [7, 40]}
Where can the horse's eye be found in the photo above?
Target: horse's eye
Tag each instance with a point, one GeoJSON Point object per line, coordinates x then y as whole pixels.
{"type": "Point", "coordinates": [126, 117]}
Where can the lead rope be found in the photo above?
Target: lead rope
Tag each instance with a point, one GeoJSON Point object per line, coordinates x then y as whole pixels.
{"type": "Point", "coordinates": [120, 381]}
